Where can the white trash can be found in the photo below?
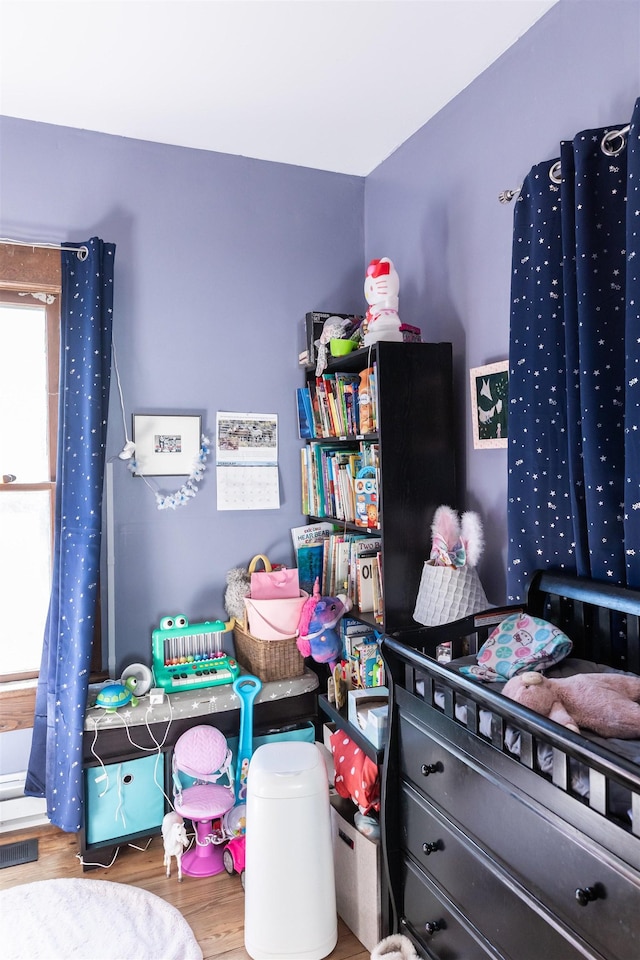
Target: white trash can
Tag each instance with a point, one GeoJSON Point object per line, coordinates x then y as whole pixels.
{"type": "Point", "coordinates": [290, 898]}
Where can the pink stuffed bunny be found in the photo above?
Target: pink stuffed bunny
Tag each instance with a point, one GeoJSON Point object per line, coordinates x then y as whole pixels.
{"type": "Point", "coordinates": [606, 703]}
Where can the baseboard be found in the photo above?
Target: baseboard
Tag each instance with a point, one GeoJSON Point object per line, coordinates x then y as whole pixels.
{"type": "Point", "coordinates": [17, 811]}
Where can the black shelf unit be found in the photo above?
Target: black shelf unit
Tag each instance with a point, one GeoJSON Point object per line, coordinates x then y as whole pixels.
{"type": "Point", "coordinates": [339, 717]}
{"type": "Point", "coordinates": [415, 434]}
{"type": "Point", "coordinates": [416, 439]}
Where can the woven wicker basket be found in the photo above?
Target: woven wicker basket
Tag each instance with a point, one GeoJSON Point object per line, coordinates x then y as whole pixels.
{"type": "Point", "coordinates": [267, 659]}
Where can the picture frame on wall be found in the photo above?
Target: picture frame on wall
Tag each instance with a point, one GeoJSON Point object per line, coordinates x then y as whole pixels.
{"type": "Point", "coordinates": [165, 446]}
{"type": "Point", "coordinates": [490, 404]}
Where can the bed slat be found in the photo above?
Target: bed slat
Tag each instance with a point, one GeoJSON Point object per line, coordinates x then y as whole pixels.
{"type": "Point", "coordinates": [560, 768]}
{"type": "Point", "coordinates": [598, 792]}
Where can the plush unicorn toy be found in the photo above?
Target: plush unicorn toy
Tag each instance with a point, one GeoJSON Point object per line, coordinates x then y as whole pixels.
{"type": "Point", "coordinates": [317, 634]}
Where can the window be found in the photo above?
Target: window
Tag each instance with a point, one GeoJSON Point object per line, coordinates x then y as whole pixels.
{"type": "Point", "coordinates": [29, 358]}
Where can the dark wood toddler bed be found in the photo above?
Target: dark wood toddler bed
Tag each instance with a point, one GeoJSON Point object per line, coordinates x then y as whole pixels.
{"type": "Point", "coordinates": [506, 835]}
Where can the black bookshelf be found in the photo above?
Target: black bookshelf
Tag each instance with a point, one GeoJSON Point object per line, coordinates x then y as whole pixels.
{"type": "Point", "coordinates": [415, 436]}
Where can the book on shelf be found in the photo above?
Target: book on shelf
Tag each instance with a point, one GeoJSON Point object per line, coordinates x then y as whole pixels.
{"type": "Point", "coordinates": [366, 656]}
{"type": "Point", "coordinates": [306, 426]}
{"type": "Point", "coordinates": [343, 404]}
{"type": "Point", "coordinates": [315, 409]}
{"type": "Point", "coordinates": [365, 572]}
{"type": "Point", "coordinates": [366, 497]}
{"type": "Point", "coordinates": [366, 575]}
{"type": "Point", "coordinates": [311, 533]}
{"type": "Point", "coordinates": [377, 587]}
{"type": "Point", "coordinates": [310, 565]}
{"type": "Point", "coordinates": [373, 386]}
{"type": "Point", "coordinates": [304, 483]}
{"type": "Point", "coordinates": [336, 569]}
{"type": "Point", "coordinates": [355, 632]}
{"type": "Point", "coordinates": [347, 396]}
{"type": "Point", "coordinates": [361, 546]}
{"type": "Point", "coordinates": [323, 408]}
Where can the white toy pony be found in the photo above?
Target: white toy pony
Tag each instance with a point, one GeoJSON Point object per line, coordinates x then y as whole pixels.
{"type": "Point", "coordinates": [174, 836]}
{"type": "Point", "coordinates": [381, 288]}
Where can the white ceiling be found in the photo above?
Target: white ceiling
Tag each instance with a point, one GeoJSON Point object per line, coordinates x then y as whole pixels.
{"type": "Point", "coordinates": [317, 83]}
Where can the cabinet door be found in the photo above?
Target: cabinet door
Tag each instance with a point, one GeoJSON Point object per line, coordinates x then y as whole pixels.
{"type": "Point", "coordinates": [122, 799]}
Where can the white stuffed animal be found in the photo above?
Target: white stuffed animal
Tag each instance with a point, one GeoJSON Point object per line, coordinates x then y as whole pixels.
{"type": "Point", "coordinates": [395, 947]}
{"type": "Point", "coordinates": [381, 287]}
{"type": "Point", "coordinates": [174, 836]}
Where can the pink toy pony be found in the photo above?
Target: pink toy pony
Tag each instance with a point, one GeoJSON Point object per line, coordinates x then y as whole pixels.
{"type": "Point", "coordinates": [317, 634]}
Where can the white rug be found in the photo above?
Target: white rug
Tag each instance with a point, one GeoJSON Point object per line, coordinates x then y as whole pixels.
{"type": "Point", "coordinates": [91, 920]}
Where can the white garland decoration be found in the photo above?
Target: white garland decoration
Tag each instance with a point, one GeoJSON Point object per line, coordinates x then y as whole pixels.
{"type": "Point", "coordinates": [189, 488]}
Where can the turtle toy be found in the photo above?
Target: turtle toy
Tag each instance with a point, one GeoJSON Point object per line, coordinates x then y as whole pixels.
{"type": "Point", "coordinates": [116, 695]}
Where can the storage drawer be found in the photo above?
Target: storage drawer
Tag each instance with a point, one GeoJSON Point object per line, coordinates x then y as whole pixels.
{"type": "Point", "coordinates": [436, 923]}
{"type": "Point", "coordinates": [124, 799]}
{"type": "Point", "coordinates": [527, 839]}
{"type": "Point", "coordinates": [509, 919]}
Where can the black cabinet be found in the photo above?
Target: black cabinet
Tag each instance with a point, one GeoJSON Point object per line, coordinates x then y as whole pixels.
{"type": "Point", "coordinates": [486, 856]}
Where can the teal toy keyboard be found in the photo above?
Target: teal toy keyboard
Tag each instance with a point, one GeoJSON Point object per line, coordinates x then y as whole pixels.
{"type": "Point", "coordinates": [188, 657]}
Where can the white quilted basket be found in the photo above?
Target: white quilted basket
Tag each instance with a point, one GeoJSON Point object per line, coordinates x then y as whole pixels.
{"type": "Point", "coordinates": [448, 593]}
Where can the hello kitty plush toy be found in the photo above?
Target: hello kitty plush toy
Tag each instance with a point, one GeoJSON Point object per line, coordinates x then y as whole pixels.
{"type": "Point", "coordinates": [381, 288]}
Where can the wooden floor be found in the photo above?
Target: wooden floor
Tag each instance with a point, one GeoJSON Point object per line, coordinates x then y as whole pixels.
{"type": "Point", "coordinates": [213, 906]}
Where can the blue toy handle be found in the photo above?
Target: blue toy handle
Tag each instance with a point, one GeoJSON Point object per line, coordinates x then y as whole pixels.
{"type": "Point", "coordinates": [247, 687]}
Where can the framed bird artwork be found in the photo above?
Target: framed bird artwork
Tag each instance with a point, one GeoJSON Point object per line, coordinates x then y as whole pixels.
{"type": "Point", "coordinates": [490, 404]}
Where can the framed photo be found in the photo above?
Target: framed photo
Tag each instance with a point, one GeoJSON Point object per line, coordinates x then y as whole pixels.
{"type": "Point", "coordinates": [166, 446]}
{"type": "Point", "coordinates": [490, 404]}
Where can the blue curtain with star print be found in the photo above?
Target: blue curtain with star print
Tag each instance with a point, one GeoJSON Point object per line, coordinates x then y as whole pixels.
{"type": "Point", "coordinates": [55, 762]}
{"type": "Point", "coordinates": [574, 363]}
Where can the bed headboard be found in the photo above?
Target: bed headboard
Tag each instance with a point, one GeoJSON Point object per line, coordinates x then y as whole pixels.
{"type": "Point", "coordinates": [602, 620]}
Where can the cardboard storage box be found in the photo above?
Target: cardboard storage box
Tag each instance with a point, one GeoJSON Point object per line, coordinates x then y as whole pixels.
{"type": "Point", "coordinates": [327, 730]}
{"type": "Point", "coordinates": [367, 711]}
{"type": "Point", "coordinates": [357, 868]}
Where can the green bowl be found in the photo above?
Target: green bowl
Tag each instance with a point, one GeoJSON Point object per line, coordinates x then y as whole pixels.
{"type": "Point", "coordinates": [339, 348]}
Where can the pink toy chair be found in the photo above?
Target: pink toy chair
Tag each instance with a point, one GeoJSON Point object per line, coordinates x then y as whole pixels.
{"type": "Point", "coordinates": [201, 753]}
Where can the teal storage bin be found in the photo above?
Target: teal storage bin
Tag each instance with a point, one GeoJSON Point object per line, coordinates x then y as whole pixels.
{"type": "Point", "coordinates": [122, 799]}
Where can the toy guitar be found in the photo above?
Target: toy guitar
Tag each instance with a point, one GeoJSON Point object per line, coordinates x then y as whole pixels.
{"type": "Point", "coordinates": [247, 688]}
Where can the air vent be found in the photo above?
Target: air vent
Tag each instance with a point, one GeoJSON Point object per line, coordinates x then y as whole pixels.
{"type": "Point", "coordinates": [24, 851]}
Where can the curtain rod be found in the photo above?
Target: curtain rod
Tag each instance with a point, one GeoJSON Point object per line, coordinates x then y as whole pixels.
{"type": "Point", "coordinates": [82, 252]}
{"type": "Point", "coordinates": [554, 173]}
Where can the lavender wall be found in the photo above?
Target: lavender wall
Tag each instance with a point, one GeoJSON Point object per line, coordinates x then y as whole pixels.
{"type": "Point", "coordinates": [217, 260]}
{"type": "Point", "coordinates": [433, 205]}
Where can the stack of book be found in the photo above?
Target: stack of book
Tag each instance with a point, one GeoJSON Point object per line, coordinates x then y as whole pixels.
{"type": "Point", "coordinates": [330, 406]}
{"type": "Point", "coordinates": [328, 473]}
{"type": "Point", "coordinates": [362, 653]}
{"type": "Point", "coordinates": [343, 562]}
